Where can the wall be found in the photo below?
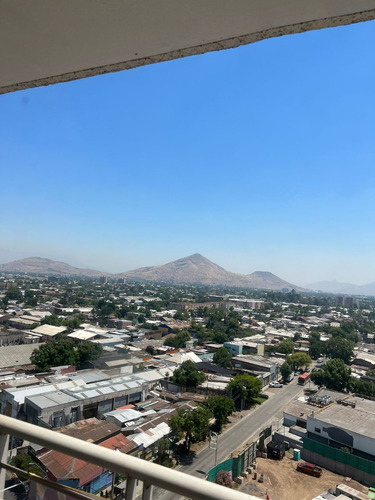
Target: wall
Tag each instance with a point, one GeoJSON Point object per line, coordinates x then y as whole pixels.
{"type": "Point", "coordinates": [345, 437]}
{"type": "Point", "coordinates": [339, 462]}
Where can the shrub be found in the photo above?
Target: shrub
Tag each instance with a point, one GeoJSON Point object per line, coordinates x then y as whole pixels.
{"type": "Point", "coordinates": [224, 478]}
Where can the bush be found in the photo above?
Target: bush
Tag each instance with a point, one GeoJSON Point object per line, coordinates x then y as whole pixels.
{"type": "Point", "coordinates": [224, 478]}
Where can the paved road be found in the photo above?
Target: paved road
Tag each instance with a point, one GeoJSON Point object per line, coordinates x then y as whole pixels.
{"type": "Point", "coordinates": [239, 434]}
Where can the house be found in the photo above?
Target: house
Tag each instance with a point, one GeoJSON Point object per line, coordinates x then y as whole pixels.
{"type": "Point", "coordinates": [79, 474]}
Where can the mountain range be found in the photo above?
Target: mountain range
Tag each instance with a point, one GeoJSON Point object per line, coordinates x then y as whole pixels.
{"type": "Point", "coordinates": [194, 269]}
{"type": "Point", "coordinates": [343, 288]}
{"type": "Point", "coordinates": [39, 265]}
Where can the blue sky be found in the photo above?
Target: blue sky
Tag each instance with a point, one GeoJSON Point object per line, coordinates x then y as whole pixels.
{"type": "Point", "coordinates": [260, 158]}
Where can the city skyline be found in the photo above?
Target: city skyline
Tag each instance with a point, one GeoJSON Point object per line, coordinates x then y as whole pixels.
{"type": "Point", "coordinates": [260, 158]}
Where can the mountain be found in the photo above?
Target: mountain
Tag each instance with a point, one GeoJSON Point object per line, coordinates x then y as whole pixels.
{"type": "Point", "coordinates": [38, 265]}
{"type": "Point", "coordinates": [264, 279]}
{"type": "Point", "coordinates": [193, 270]}
{"type": "Point", "coordinates": [343, 288]}
{"type": "Point", "coordinates": [196, 269]}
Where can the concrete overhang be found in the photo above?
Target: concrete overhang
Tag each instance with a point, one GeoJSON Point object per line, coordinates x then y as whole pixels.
{"type": "Point", "coordinates": [50, 41]}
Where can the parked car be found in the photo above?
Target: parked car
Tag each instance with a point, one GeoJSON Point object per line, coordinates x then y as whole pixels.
{"type": "Point", "coordinates": [276, 384]}
{"type": "Point", "coordinates": [311, 469]}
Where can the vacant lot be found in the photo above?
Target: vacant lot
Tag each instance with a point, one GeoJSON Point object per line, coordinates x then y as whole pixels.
{"type": "Point", "coordinates": [283, 482]}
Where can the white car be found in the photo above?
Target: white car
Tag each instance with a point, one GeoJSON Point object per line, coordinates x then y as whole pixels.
{"type": "Point", "coordinates": [276, 384]}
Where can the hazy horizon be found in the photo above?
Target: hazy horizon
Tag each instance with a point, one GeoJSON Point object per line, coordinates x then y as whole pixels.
{"type": "Point", "coordinates": [82, 265]}
{"type": "Point", "coordinates": [260, 158]}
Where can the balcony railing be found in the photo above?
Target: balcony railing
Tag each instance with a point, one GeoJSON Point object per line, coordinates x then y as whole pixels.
{"type": "Point", "coordinates": [135, 469]}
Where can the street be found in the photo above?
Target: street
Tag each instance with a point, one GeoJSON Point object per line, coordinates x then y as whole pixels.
{"type": "Point", "coordinates": [239, 434]}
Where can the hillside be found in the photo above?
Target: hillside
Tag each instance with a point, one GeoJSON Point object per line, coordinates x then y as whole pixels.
{"type": "Point", "coordinates": [343, 288]}
{"type": "Point", "coordinates": [38, 265]}
{"type": "Point", "coordinates": [196, 269]}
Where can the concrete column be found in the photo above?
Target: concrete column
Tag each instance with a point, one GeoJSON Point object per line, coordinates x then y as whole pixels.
{"type": "Point", "coordinates": [4, 446]}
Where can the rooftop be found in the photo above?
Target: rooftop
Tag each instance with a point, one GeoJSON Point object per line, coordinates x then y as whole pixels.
{"type": "Point", "coordinates": [16, 355]}
{"type": "Point", "coordinates": [359, 420]}
{"type": "Point", "coordinates": [49, 330]}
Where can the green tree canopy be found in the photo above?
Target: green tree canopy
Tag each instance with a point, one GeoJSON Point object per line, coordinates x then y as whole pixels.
{"type": "Point", "coordinates": [55, 353]}
{"type": "Point", "coordinates": [285, 347]}
{"type": "Point", "coordinates": [222, 357]}
{"type": "Point", "coordinates": [188, 375]}
{"type": "Point", "coordinates": [64, 352]}
{"type": "Point", "coordinates": [220, 407]}
{"type": "Point", "coordinates": [179, 340]}
{"type": "Point", "coordinates": [87, 352]}
{"type": "Point", "coordinates": [299, 360]}
{"type": "Point", "coordinates": [285, 370]}
{"type": "Point", "coordinates": [334, 375]}
{"type": "Point", "coordinates": [339, 348]}
{"type": "Point", "coordinates": [193, 424]}
{"type": "Point", "coordinates": [244, 387]}
{"type": "Point", "coordinates": [25, 462]}
{"type": "Point", "coordinates": [14, 293]}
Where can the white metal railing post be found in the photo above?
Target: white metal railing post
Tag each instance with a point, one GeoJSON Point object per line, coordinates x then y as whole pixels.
{"type": "Point", "coordinates": [147, 491]}
{"type": "Point", "coordinates": [4, 445]}
{"type": "Point", "coordinates": [131, 487]}
{"type": "Point", "coordinates": [135, 468]}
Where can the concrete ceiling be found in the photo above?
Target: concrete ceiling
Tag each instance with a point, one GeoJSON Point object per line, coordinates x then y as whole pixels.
{"type": "Point", "coordinates": [50, 41]}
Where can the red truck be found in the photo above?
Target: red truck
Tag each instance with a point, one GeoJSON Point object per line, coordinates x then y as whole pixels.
{"type": "Point", "coordinates": [311, 469]}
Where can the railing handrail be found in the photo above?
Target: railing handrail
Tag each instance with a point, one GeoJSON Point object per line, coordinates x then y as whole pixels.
{"type": "Point", "coordinates": [135, 468]}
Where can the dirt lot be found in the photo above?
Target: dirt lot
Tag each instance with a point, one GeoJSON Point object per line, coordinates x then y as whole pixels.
{"type": "Point", "coordinates": [283, 482]}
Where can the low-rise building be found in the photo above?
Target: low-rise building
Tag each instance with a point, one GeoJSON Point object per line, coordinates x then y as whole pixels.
{"type": "Point", "coordinates": [341, 437]}
{"type": "Point", "coordinates": [237, 347]}
{"type": "Point", "coordinates": [61, 407]}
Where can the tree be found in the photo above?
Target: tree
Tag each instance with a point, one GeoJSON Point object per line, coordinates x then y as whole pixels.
{"type": "Point", "coordinates": [14, 293]}
{"type": "Point", "coordinates": [285, 347]}
{"type": "Point", "coordinates": [25, 462]}
{"type": "Point", "coordinates": [244, 388]}
{"type": "Point", "coordinates": [285, 371]}
{"type": "Point", "coordinates": [334, 375]}
{"type": "Point", "coordinates": [54, 353]}
{"type": "Point", "coordinates": [222, 357]}
{"type": "Point", "coordinates": [220, 407]}
{"type": "Point", "coordinates": [193, 424]}
{"type": "Point", "coordinates": [188, 375]}
{"type": "Point", "coordinates": [339, 348]}
{"type": "Point", "coordinates": [299, 360]}
{"type": "Point", "coordinates": [88, 351]}
{"type": "Point", "coordinates": [163, 447]}
{"type": "Point", "coordinates": [64, 352]}
{"type": "Point", "coordinates": [151, 350]}
{"type": "Point", "coordinates": [179, 340]}
{"type": "Point", "coordinates": [181, 316]}
{"type": "Point", "coordinates": [30, 298]}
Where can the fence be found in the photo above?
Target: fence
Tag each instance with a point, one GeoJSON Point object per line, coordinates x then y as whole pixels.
{"type": "Point", "coordinates": [226, 465]}
{"type": "Point", "coordinates": [340, 456]}
{"type": "Point", "coordinates": [235, 465]}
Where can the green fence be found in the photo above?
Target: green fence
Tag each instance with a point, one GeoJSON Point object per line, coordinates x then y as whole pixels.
{"type": "Point", "coordinates": [339, 456]}
{"type": "Point", "coordinates": [238, 466]}
{"type": "Point", "coordinates": [226, 465]}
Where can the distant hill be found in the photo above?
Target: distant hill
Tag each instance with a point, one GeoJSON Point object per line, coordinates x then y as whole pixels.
{"type": "Point", "coordinates": [193, 270]}
{"type": "Point", "coordinates": [38, 265]}
{"type": "Point", "coordinates": [343, 288]}
{"type": "Point", "coordinates": [196, 269]}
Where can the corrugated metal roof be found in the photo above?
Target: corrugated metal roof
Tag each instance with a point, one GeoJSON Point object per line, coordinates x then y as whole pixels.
{"type": "Point", "coordinates": [49, 330]}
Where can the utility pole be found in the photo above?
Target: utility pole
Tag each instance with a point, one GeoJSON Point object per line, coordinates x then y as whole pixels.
{"type": "Point", "coordinates": [214, 438]}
